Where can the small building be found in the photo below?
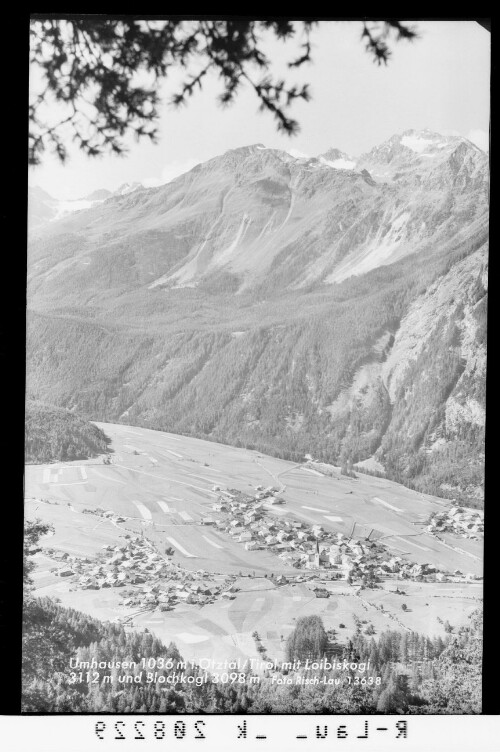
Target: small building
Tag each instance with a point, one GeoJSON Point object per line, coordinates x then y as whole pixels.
{"type": "Point", "coordinates": [335, 559]}
{"type": "Point", "coordinates": [321, 593]}
{"type": "Point", "coordinates": [65, 572]}
{"type": "Point", "coordinates": [219, 507]}
{"type": "Point", "coordinates": [137, 579]}
{"type": "Point", "coordinates": [282, 535]}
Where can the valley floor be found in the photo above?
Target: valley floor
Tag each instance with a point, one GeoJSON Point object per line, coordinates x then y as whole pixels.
{"type": "Point", "coordinates": [163, 485]}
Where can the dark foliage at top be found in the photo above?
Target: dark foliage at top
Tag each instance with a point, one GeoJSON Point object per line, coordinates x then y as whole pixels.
{"type": "Point", "coordinates": [90, 65]}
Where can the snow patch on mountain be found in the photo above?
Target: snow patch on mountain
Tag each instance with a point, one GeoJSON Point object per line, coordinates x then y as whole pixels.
{"type": "Point", "coordinates": [339, 164]}
{"type": "Point", "coordinates": [127, 188]}
{"type": "Point", "coordinates": [67, 207]}
{"type": "Point", "coordinates": [416, 143]}
{"type": "Point", "coordinates": [296, 154]}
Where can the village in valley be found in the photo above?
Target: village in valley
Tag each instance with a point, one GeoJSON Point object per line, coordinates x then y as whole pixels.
{"type": "Point", "coordinates": [150, 580]}
{"type": "Point", "coordinates": [158, 582]}
{"type": "Point", "coordinates": [185, 538]}
{"type": "Point", "coordinates": [330, 555]}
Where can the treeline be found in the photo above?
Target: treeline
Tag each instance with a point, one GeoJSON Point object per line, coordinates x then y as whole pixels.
{"type": "Point", "coordinates": [55, 434]}
{"type": "Point", "coordinates": [418, 675]}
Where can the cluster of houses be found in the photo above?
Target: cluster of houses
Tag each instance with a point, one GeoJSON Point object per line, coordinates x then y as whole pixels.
{"type": "Point", "coordinates": [366, 562]}
{"type": "Point", "coordinates": [178, 586]}
{"type": "Point", "coordinates": [151, 581]}
{"type": "Point", "coordinates": [310, 547]}
{"type": "Point", "coordinates": [157, 582]}
{"type": "Point", "coordinates": [107, 514]}
{"type": "Point", "coordinates": [467, 523]}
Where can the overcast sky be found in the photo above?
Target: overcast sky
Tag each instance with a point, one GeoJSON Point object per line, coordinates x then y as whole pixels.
{"type": "Point", "coordinates": [440, 82]}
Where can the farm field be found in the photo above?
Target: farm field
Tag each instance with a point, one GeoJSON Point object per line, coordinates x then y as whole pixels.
{"type": "Point", "coordinates": [163, 486]}
{"type": "Point", "coordinates": [224, 629]}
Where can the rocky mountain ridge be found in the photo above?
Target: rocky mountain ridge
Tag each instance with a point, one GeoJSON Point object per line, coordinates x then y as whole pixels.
{"type": "Point", "coordinates": [260, 219]}
{"type": "Point", "coordinates": [43, 208]}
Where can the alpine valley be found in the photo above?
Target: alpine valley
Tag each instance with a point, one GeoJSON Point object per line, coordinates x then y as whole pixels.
{"type": "Point", "coordinates": [330, 306]}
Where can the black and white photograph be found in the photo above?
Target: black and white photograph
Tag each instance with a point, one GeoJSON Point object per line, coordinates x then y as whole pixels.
{"type": "Point", "coordinates": [256, 346]}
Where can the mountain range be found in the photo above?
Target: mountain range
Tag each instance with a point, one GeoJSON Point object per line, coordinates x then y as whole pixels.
{"type": "Point", "coordinates": [42, 207]}
{"type": "Point", "coordinates": [329, 305]}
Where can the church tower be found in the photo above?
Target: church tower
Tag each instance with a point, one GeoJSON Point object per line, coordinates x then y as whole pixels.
{"type": "Point", "coordinates": [316, 555]}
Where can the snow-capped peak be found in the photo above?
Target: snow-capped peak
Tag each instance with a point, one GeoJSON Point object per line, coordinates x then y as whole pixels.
{"type": "Point", "coordinates": [337, 159]}
{"type": "Point", "coordinates": [427, 140]}
{"type": "Point", "coordinates": [339, 164]}
{"type": "Point", "coordinates": [127, 188]}
{"type": "Point", "coordinates": [417, 143]}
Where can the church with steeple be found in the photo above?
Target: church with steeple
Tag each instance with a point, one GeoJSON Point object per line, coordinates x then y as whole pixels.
{"type": "Point", "coordinates": [317, 555]}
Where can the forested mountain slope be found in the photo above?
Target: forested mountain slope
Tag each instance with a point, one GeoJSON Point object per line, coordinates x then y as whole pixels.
{"type": "Point", "coordinates": [53, 433]}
